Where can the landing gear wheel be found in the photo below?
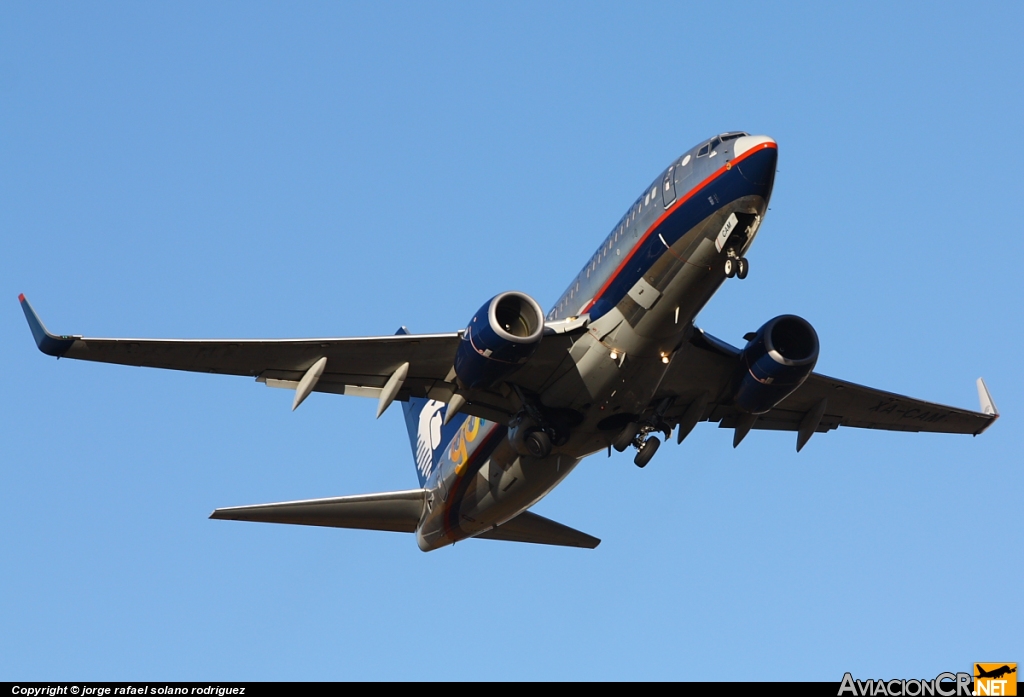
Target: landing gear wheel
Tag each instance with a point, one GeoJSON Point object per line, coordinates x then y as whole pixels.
{"type": "Point", "coordinates": [626, 436]}
{"type": "Point", "coordinates": [730, 268]}
{"type": "Point", "coordinates": [647, 452]}
{"type": "Point", "coordinates": [742, 268]}
{"type": "Point", "coordinates": [538, 443]}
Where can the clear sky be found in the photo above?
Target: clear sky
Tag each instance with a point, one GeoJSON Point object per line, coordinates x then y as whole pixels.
{"type": "Point", "coordinates": [287, 170]}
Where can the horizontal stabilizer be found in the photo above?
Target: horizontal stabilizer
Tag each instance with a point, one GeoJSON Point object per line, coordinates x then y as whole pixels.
{"type": "Point", "coordinates": [530, 527]}
{"type": "Point", "coordinates": [396, 511]}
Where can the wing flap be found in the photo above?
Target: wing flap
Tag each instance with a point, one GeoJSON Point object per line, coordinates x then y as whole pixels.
{"type": "Point", "coordinates": [530, 527]}
{"type": "Point", "coordinates": [395, 511]}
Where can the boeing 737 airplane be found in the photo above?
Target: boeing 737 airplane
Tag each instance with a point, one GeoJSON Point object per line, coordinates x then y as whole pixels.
{"type": "Point", "coordinates": [500, 412]}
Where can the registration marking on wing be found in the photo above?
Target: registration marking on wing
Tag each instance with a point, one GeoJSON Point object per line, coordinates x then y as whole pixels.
{"type": "Point", "coordinates": [723, 234]}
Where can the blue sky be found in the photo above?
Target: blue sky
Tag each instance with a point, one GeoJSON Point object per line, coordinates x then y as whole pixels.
{"type": "Point", "coordinates": [268, 170]}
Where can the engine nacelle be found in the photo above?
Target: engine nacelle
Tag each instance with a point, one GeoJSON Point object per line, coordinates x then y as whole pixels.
{"type": "Point", "coordinates": [503, 334]}
{"type": "Point", "coordinates": [775, 362]}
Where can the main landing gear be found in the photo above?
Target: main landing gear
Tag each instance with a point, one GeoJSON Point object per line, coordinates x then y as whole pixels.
{"type": "Point", "coordinates": [736, 266]}
{"type": "Point", "coordinates": [639, 436]}
{"type": "Point", "coordinates": [528, 437]}
{"type": "Point", "coordinates": [534, 430]}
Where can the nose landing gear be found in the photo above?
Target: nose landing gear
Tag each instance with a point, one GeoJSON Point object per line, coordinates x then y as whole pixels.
{"type": "Point", "coordinates": [736, 266]}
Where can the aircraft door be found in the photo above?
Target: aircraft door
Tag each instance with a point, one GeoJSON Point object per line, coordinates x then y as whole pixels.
{"type": "Point", "coordinates": [668, 188]}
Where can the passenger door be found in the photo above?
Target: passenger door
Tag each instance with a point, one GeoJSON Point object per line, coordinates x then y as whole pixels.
{"type": "Point", "coordinates": [668, 188]}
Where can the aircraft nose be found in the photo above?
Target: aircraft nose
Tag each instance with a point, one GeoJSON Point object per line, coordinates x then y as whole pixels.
{"type": "Point", "coordinates": [756, 157]}
{"type": "Point", "coordinates": [746, 143]}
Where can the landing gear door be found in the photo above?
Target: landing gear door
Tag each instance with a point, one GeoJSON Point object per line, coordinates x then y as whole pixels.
{"type": "Point", "coordinates": [668, 188]}
{"type": "Point", "coordinates": [442, 477]}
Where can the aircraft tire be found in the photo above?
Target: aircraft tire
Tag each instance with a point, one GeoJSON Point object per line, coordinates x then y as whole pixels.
{"type": "Point", "coordinates": [730, 268]}
{"type": "Point", "coordinates": [626, 436]}
{"type": "Point", "coordinates": [742, 268]}
{"type": "Point", "coordinates": [647, 452]}
{"type": "Point", "coordinates": [539, 444]}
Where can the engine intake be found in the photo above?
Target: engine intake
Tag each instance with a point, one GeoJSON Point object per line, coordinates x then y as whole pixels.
{"type": "Point", "coordinates": [502, 335]}
{"type": "Point", "coordinates": [775, 362]}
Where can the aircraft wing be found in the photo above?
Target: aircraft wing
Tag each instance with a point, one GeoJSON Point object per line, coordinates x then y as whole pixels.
{"type": "Point", "coordinates": [359, 366]}
{"type": "Point", "coordinates": [849, 404]}
{"type": "Point", "coordinates": [708, 365]}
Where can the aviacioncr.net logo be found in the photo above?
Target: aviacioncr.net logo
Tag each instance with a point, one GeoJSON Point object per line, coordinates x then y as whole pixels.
{"type": "Point", "coordinates": [943, 685]}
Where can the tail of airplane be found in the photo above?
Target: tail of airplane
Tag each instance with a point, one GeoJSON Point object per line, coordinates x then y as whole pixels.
{"type": "Point", "coordinates": [428, 434]}
{"type": "Point", "coordinates": [400, 511]}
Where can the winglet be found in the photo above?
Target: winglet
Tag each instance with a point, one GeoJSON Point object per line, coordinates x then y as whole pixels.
{"type": "Point", "coordinates": [48, 343]}
{"type": "Point", "coordinates": [988, 407]}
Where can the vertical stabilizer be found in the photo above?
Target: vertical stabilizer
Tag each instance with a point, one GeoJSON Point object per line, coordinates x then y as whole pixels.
{"type": "Point", "coordinates": [428, 433]}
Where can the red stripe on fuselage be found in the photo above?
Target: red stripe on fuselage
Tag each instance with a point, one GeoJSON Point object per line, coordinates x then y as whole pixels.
{"type": "Point", "coordinates": [671, 209]}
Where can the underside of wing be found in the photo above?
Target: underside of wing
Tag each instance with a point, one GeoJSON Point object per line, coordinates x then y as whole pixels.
{"type": "Point", "coordinates": [530, 527]}
{"type": "Point", "coordinates": [857, 406]}
{"type": "Point", "coordinates": [704, 373]}
{"type": "Point", "coordinates": [360, 366]}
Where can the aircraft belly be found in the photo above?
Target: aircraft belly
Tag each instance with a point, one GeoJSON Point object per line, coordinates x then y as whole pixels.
{"type": "Point", "coordinates": [620, 363]}
{"type": "Point", "coordinates": [504, 486]}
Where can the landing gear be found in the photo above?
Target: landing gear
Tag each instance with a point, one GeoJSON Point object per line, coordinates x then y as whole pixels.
{"type": "Point", "coordinates": [534, 430]}
{"type": "Point", "coordinates": [639, 434]}
{"type": "Point", "coordinates": [626, 436]}
{"type": "Point", "coordinates": [527, 437]}
{"type": "Point", "coordinates": [735, 265]}
{"type": "Point", "coordinates": [646, 451]}
{"type": "Point", "coordinates": [538, 444]}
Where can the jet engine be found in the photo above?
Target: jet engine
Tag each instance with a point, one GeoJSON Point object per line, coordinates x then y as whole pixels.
{"type": "Point", "coordinates": [503, 334]}
{"type": "Point", "coordinates": [776, 360]}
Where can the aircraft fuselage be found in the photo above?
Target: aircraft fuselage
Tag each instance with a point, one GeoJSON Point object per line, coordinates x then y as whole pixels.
{"type": "Point", "coordinates": [641, 290]}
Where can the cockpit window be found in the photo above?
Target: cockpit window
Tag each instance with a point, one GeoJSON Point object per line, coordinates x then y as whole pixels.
{"type": "Point", "coordinates": [732, 136]}
{"type": "Point", "coordinates": [704, 150]}
{"type": "Point", "coordinates": [715, 142]}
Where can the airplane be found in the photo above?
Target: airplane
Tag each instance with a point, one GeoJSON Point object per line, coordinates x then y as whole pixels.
{"type": "Point", "coordinates": [500, 412]}
{"type": "Point", "coordinates": [995, 673]}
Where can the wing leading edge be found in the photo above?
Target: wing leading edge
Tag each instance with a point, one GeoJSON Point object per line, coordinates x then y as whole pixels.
{"type": "Point", "coordinates": [360, 366]}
